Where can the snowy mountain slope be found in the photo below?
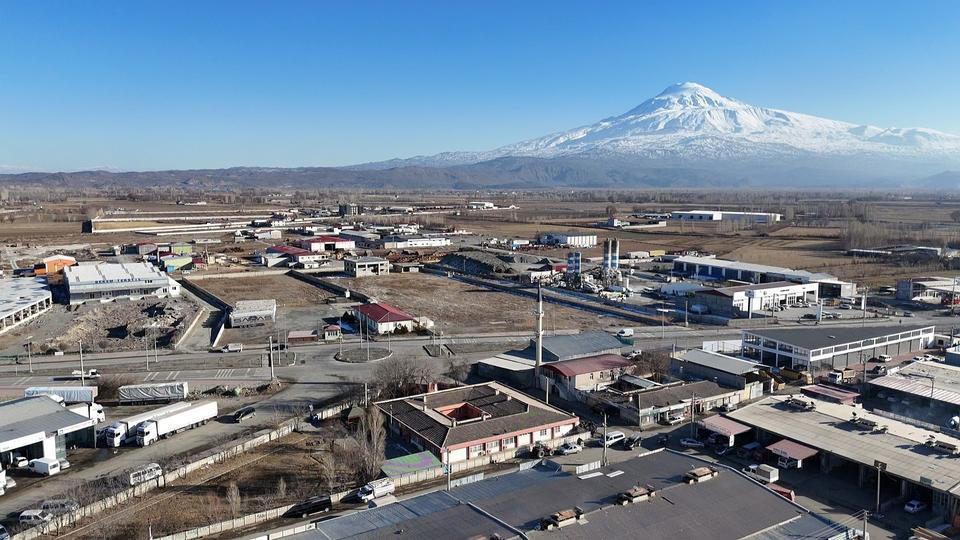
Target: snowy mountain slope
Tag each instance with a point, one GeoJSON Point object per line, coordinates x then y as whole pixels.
{"type": "Point", "coordinates": [690, 122]}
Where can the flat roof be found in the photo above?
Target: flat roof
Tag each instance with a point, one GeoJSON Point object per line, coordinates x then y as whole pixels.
{"type": "Point", "coordinates": [793, 450]}
{"type": "Point", "coordinates": [752, 267]}
{"type": "Point", "coordinates": [927, 379]}
{"type": "Point", "coordinates": [724, 507]}
{"type": "Point", "coordinates": [19, 293]}
{"type": "Point", "coordinates": [730, 291]}
{"type": "Point", "coordinates": [365, 260]}
{"type": "Point", "coordinates": [719, 361]}
{"type": "Point", "coordinates": [409, 463]}
{"type": "Point", "coordinates": [254, 306]}
{"type": "Point", "coordinates": [817, 337]}
{"type": "Point", "coordinates": [88, 274]}
{"type": "Point", "coordinates": [829, 429]}
{"type": "Point", "coordinates": [35, 415]}
{"type": "Point", "coordinates": [723, 425]}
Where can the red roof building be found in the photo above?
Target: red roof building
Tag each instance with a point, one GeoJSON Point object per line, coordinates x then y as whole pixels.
{"type": "Point", "coordinates": [384, 318]}
{"type": "Point", "coordinates": [590, 372]}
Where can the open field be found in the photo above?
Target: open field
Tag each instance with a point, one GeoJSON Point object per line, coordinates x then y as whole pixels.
{"type": "Point", "coordinates": [287, 291]}
{"type": "Point", "coordinates": [460, 307]}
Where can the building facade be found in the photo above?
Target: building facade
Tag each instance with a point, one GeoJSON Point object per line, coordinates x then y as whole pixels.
{"type": "Point", "coordinates": [366, 266]}
{"type": "Point", "coordinates": [384, 319]}
{"type": "Point", "coordinates": [712, 268]}
{"type": "Point", "coordinates": [744, 300]}
{"type": "Point", "coordinates": [569, 238]}
{"type": "Point", "coordinates": [105, 282]}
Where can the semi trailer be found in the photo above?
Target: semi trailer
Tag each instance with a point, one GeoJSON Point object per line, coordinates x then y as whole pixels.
{"type": "Point", "coordinates": [152, 392]}
{"type": "Point", "coordinates": [165, 425]}
{"type": "Point", "coordinates": [69, 394]}
{"type": "Point", "coordinates": [125, 430]}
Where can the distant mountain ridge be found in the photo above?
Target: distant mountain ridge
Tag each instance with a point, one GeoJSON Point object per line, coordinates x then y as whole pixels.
{"type": "Point", "coordinates": [687, 136]}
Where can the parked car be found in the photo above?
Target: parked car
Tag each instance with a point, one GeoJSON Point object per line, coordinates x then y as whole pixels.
{"type": "Point", "coordinates": [632, 441]}
{"type": "Point", "coordinates": [11, 483]}
{"type": "Point", "coordinates": [612, 438]}
{"type": "Point", "coordinates": [19, 462]}
{"type": "Point", "coordinates": [878, 370]}
{"type": "Point", "coordinates": [720, 450]}
{"type": "Point", "coordinates": [690, 443]}
{"type": "Point", "coordinates": [34, 517]}
{"type": "Point", "coordinates": [242, 414]}
{"type": "Point", "coordinates": [809, 316]}
{"type": "Point", "coordinates": [4, 535]}
{"type": "Point", "coordinates": [625, 333]}
{"type": "Point", "coordinates": [64, 464]}
{"type": "Point", "coordinates": [914, 507]}
{"type": "Point", "coordinates": [568, 448]}
{"type": "Point", "coordinates": [59, 506]}
{"type": "Point", "coordinates": [884, 358]}
{"type": "Point", "coordinates": [908, 314]}
{"type": "Point", "coordinates": [309, 507]}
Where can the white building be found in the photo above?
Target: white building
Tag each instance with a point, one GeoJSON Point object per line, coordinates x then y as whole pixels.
{"type": "Point", "coordinates": [744, 300]}
{"type": "Point", "coordinates": [717, 215]}
{"type": "Point", "coordinates": [105, 282]}
{"type": "Point", "coordinates": [39, 427]}
{"type": "Point", "coordinates": [480, 205]}
{"type": "Point", "coordinates": [712, 268]}
{"type": "Point", "coordinates": [253, 313]}
{"type": "Point", "coordinates": [327, 243]}
{"type": "Point", "coordinates": [409, 242]}
{"type": "Point", "coordinates": [22, 300]}
{"type": "Point", "coordinates": [366, 266]}
{"type": "Point", "coordinates": [569, 238]}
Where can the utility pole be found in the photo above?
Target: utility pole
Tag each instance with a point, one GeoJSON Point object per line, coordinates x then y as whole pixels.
{"type": "Point", "coordinates": [693, 415]}
{"type": "Point", "coordinates": [82, 376]}
{"type": "Point", "coordinates": [447, 450]}
{"type": "Point", "coordinates": [881, 466]}
{"type": "Point", "coordinates": [539, 357]}
{"type": "Point", "coordinates": [30, 353]}
{"type": "Point", "coordinates": [865, 516]}
{"type": "Point", "coordinates": [603, 460]}
{"type": "Point", "coordinates": [271, 358]}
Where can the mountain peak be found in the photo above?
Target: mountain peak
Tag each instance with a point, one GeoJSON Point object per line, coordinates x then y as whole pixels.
{"type": "Point", "coordinates": [688, 88]}
{"type": "Point", "coordinates": [684, 96]}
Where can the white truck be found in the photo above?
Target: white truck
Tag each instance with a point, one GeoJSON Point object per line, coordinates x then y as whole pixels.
{"type": "Point", "coordinates": [762, 473]}
{"type": "Point", "coordinates": [91, 374]}
{"type": "Point", "coordinates": [153, 392]}
{"type": "Point", "coordinates": [150, 431]}
{"type": "Point", "coordinates": [232, 347]}
{"type": "Point", "coordinates": [376, 489]}
{"type": "Point", "coordinates": [93, 411]}
{"type": "Point", "coordinates": [70, 394]}
{"type": "Point", "coordinates": [125, 430]}
{"type": "Point", "coordinates": [44, 466]}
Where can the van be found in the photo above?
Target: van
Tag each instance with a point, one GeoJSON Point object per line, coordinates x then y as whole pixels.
{"type": "Point", "coordinates": [34, 517]}
{"type": "Point", "coordinates": [144, 474]}
{"type": "Point", "coordinates": [625, 332]}
{"type": "Point", "coordinates": [375, 489]}
{"type": "Point", "coordinates": [56, 507]}
{"type": "Point", "coordinates": [44, 466]}
{"type": "Point", "coordinates": [612, 438]}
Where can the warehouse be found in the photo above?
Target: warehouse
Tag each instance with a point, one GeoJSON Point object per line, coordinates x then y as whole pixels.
{"type": "Point", "coordinates": [932, 290]}
{"type": "Point", "coordinates": [384, 319]}
{"type": "Point", "coordinates": [568, 347]}
{"type": "Point", "coordinates": [22, 300]}
{"type": "Point", "coordinates": [105, 282]}
{"type": "Point", "coordinates": [366, 266]}
{"type": "Point", "coordinates": [362, 239]}
{"type": "Point", "coordinates": [413, 242]}
{"type": "Point", "coordinates": [327, 243]}
{"type": "Point", "coordinates": [569, 238]}
{"type": "Point", "coordinates": [746, 300]}
{"type": "Point", "coordinates": [925, 391]}
{"type": "Point", "coordinates": [708, 215]}
{"type": "Point", "coordinates": [916, 463]}
{"type": "Point", "coordinates": [253, 313]}
{"type": "Point", "coordinates": [712, 268]}
{"type": "Point", "coordinates": [36, 427]}
{"type": "Point", "coordinates": [472, 421]}
{"type": "Point", "coordinates": [295, 255]}
{"type": "Point", "coordinates": [816, 349]}
{"type": "Point", "coordinates": [720, 368]}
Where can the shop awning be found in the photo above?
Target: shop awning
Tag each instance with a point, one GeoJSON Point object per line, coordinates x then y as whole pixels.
{"type": "Point", "coordinates": [724, 426]}
{"type": "Point", "coordinates": [790, 449]}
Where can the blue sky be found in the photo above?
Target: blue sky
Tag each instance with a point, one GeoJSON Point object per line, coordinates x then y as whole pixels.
{"type": "Point", "coordinates": [157, 85]}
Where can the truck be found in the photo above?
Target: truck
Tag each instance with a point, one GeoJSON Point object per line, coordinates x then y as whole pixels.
{"type": "Point", "coordinates": [153, 392]}
{"type": "Point", "coordinates": [44, 466]}
{"type": "Point", "coordinates": [375, 489]}
{"type": "Point", "coordinates": [163, 426]}
{"type": "Point", "coordinates": [78, 374]}
{"type": "Point", "coordinates": [122, 431]}
{"type": "Point", "coordinates": [764, 474]}
{"type": "Point", "coordinates": [232, 347]}
{"type": "Point", "coordinates": [70, 394]}
{"type": "Point", "coordinates": [93, 411]}
{"type": "Point", "coordinates": [842, 376]}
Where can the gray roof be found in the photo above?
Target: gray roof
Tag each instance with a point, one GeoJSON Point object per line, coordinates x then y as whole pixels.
{"type": "Point", "coordinates": [939, 382]}
{"type": "Point", "coordinates": [728, 506]}
{"type": "Point", "coordinates": [509, 411]}
{"type": "Point", "coordinates": [674, 395]}
{"type": "Point", "coordinates": [823, 336]}
{"type": "Point", "coordinates": [719, 362]}
{"type": "Point", "coordinates": [582, 344]}
{"type": "Point", "coordinates": [32, 415]}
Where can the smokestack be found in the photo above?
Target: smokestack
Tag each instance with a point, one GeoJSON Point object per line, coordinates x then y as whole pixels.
{"type": "Point", "coordinates": [539, 334]}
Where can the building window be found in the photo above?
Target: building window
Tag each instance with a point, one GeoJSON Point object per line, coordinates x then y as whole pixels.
{"type": "Point", "coordinates": [476, 449]}
{"type": "Point", "coordinates": [544, 432]}
{"type": "Point", "coordinates": [493, 446]}
{"type": "Point", "coordinates": [509, 442]}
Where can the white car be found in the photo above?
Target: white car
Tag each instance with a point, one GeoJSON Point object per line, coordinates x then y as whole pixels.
{"type": "Point", "coordinates": [64, 464]}
{"type": "Point", "coordinates": [691, 443]}
{"type": "Point", "coordinates": [566, 449]}
{"type": "Point", "coordinates": [612, 438]}
{"type": "Point", "coordinates": [914, 507]}
{"type": "Point", "coordinates": [19, 462]}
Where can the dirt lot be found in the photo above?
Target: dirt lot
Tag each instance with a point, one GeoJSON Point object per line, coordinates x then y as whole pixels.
{"type": "Point", "coordinates": [459, 307]}
{"type": "Point", "coordinates": [287, 291]}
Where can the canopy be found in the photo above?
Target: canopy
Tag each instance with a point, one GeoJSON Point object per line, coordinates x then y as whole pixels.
{"type": "Point", "coordinates": [792, 450]}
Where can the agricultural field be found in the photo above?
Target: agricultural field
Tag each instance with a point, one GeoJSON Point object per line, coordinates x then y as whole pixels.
{"type": "Point", "coordinates": [459, 307]}
{"type": "Point", "coordinates": [286, 290]}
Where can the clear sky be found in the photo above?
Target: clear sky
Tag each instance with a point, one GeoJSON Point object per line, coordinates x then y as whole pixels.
{"type": "Point", "coordinates": [160, 85]}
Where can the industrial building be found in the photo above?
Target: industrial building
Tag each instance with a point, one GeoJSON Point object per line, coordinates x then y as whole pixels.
{"type": "Point", "coordinates": [53, 265]}
{"type": "Point", "coordinates": [22, 300]}
{"type": "Point", "coordinates": [747, 300]}
{"type": "Point", "coordinates": [384, 319]}
{"type": "Point", "coordinates": [253, 313]}
{"type": "Point", "coordinates": [291, 255]}
{"type": "Point", "coordinates": [712, 268]}
{"type": "Point", "coordinates": [105, 282]}
{"type": "Point", "coordinates": [366, 266]}
{"type": "Point", "coordinates": [472, 421]}
{"type": "Point", "coordinates": [815, 348]}
{"type": "Point", "coordinates": [909, 461]}
{"type": "Point", "coordinates": [481, 205]}
{"type": "Point", "coordinates": [618, 502]}
{"type": "Point", "coordinates": [649, 405]}
{"type": "Point", "coordinates": [362, 239]}
{"type": "Point", "coordinates": [568, 347]}
{"type": "Point", "coordinates": [350, 209]}
{"type": "Point", "coordinates": [413, 242]}
{"type": "Point", "coordinates": [710, 215]}
{"type": "Point", "coordinates": [925, 391]}
{"type": "Point", "coordinates": [932, 290]}
{"type": "Point", "coordinates": [720, 368]}
{"type": "Point", "coordinates": [327, 243]}
{"type": "Point", "coordinates": [569, 238]}
{"type": "Point", "coordinates": [39, 427]}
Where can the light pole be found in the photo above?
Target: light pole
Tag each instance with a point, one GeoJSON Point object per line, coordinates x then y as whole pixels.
{"type": "Point", "coordinates": [881, 466]}
{"type": "Point", "coordinates": [82, 378]}
{"type": "Point", "coordinates": [30, 352]}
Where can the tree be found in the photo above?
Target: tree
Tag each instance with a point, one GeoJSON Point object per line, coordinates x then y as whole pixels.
{"type": "Point", "coordinates": [233, 498]}
{"type": "Point", "coordinates": [458, 369]}
{"type": "Point", "coordinates": [654, 363]}
{"type": "Point", "coordinates": [399, 377]}
{"type": "Point", "coordinates": [955, 216]}
{"type": "Point", "coordinates": [371, 443]}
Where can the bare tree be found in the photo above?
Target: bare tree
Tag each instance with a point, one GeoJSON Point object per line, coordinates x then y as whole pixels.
{"type": "Point", "coordinates": [399, 377]}
{"type": "Point", "coordinates": [654, 363]}
{"type": "Point", "coordinates": [281, 488]}
{"type": "Point", "coordinates": [371, 443]}
{"type": "Point", "coordinates": [458, 369]}
{"type": "Point", "coordinates": [233, 498]}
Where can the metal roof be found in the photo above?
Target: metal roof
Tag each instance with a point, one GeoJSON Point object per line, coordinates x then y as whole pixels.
{"type": "Point", "coordinates": [17, 294]}
{"type": "Point", "coordinates": [758, 268]}
{"type": "Point", "coordinates": [792, 450]}
{"type": "Point", "coordinates": [34, 415]}
{"type": "Point", "coordinates": [382, 313]}
{"type": "Point", "coordinates": [724, 426]}
{"type": "Point", "coordinates": [582, 344]}
{"type": "Point", "coordinates": [821, 336]}
{"type": "Point", "coordinates": [719, 362]}
{"type": "Point", "coordinates": [589, 364]}
{"type": "Point", "coordinates": [401, 465]}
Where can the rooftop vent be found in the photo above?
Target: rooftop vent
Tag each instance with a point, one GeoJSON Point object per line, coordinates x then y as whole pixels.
{"type": "Point", "coordinates": [561, 519]}
{"type": "Point", "coordinates": [700, 474]}
{"type": "Point", "coordinates": [636, 494]}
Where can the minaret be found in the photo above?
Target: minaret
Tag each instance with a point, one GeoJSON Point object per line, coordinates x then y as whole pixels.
{"type": "Point", "coordinates": [539, 333]}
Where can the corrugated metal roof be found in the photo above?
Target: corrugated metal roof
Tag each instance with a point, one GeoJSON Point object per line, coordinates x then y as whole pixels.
{"type": "Point", "coordinates": [724, 426]}
{"type": "Point", "coordinates": [589, 364]}
{"type": "Point", "coordinates": [719, 362]}
{"type": "Point", "coordinates": [792, 450]}
{"type": "Point", "coordinates": [921, 387]}
{"type": "Point", "coordinates": [32, 415]}
{"type": "Point", "coordinates": [384, 313]}
{"type": "Point", "coordinates": [582, 344]}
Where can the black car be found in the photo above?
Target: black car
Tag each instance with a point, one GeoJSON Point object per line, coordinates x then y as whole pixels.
{"type": "Point", "coordinates": [243, 414]}
{"type": "Point", "coordinates": [309, 507]}
{"type": "Point", "coordinates": [632, 441]}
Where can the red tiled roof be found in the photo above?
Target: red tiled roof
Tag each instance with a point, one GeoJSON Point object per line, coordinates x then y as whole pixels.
{"type": "Point", "coordinates": [590, 364]}
{"type": "Point", "coordinates": [288, 250]}
{"type": "Point", "coordinates": [383, 313]}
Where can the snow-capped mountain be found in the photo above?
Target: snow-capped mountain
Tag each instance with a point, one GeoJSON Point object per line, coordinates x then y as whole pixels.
{"type": "Point", "coordinates": [691, 124]}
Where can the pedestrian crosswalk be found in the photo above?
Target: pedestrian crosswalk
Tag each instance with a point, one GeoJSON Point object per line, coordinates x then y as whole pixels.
{"type": "Point", "coordinates": [236, 373]}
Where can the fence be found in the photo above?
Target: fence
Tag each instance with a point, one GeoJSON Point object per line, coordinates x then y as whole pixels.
{"type": "Point", "coordinates": [202, 314]}
{"type": "Point", "coordinates": [228, 525]}
{"type": "Point", "coordinates": [339, 290]}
